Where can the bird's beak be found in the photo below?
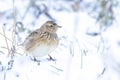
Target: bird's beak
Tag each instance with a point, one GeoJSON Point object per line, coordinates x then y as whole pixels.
{"type": "Point", "coordinates": [59, 26]}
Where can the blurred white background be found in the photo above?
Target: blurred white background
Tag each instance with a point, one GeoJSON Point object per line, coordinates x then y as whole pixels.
{"type": "Point", "coordinates": [89, 46]}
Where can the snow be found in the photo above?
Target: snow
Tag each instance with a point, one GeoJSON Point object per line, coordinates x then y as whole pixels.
{"type": "Point", "coordinates": [78, 56]}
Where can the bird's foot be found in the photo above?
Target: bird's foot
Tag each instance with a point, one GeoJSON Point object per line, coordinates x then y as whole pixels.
{"type": "Point", "coordinates": [51, 58]}
{"type": "Point", "coordinates": [35, 60]}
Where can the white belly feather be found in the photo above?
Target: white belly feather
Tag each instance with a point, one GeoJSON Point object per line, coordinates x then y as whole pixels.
{"type": "Point", "coordinates": [42, 50]}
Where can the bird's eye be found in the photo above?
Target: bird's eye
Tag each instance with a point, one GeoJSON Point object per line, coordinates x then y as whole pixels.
{"type": "Point", "coordinates": [51, 25]}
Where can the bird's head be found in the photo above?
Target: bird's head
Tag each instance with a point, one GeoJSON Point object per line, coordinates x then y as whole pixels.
{"type": "Point", "coordinates": [50, 27]}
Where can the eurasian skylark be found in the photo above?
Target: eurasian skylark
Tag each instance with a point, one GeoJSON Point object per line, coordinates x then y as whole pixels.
{"type": "Point", "coordinates": [42, 41]}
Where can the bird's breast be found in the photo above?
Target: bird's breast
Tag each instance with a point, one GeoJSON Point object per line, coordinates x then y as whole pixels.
{"type": "Point", "coordinates": [44, 48]}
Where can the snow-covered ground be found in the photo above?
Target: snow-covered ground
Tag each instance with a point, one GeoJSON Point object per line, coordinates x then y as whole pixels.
{"type": "Point", "coordinates": [79, 56]}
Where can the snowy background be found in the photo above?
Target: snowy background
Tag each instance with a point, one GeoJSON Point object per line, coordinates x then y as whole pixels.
{"type": "Point", "coordinates": [89, 47]}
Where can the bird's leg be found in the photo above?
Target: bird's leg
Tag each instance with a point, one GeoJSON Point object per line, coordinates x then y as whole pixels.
{"type": "Point", "coordinates": [35, 60]}
{"type": "Point", "coordinates": [50, 58]}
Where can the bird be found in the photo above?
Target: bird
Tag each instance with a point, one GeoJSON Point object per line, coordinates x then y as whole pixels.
{"type": "Point", "coordinates": [42, 41]}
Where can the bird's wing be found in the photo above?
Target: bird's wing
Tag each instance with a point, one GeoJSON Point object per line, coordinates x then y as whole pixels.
{"type": "Point", "coordinates": [31, 39]}
{"type": "Point", "coordinates": [44, 36]}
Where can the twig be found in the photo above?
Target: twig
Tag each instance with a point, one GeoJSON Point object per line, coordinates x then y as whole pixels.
{"type": "Point", "coordinates": [14, 25]}
{"type": "Point", "coordinates": [13, 47]}
{"type": "Point", "coordinates": [6, 40]}
{"type": "Point", "coordinates": [5, 37]}
{"type": "Point", "coordinates": [5, 74]}
{"type": "Point", "coordinates": [58, 69]}
{"type": "Point", "coordinates": [6, 48]}
{"type": "Point", "coordinates": [13, 33]}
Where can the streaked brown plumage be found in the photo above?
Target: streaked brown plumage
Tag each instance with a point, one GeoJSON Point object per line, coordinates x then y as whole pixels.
{"type": "Point", "coordinates": [42, 41]}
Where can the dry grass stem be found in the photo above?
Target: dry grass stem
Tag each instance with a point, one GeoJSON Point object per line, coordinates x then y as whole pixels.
{"type": "Point", "coordinates": [6, 40]}
{"type": "Point", "coordinates": [6, 37]}
{"type": "Point", "coordinates": [14, 25]}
